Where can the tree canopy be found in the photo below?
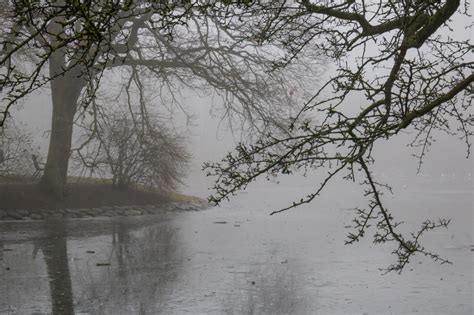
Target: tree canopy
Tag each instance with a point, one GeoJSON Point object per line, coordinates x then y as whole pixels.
{"type": "Point", "coordinates": [70, 46]}
{"type": "Point", "coordinates": [400, 57]}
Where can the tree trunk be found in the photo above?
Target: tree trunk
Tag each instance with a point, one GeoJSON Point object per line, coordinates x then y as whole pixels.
{"type": "Point", "coordinates": [65, 91]}
{"type": "Point", "coordinates": [66, 86]}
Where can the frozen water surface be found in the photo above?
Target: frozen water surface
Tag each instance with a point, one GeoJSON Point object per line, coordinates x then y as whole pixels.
{"type": "Point", "coordinates": [235, 259]}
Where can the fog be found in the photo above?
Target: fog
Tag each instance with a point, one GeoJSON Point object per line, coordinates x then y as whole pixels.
{"type": "Point", "coordinates": [236, 258]}
{"type": "Point", "coordinates": [210, 138]}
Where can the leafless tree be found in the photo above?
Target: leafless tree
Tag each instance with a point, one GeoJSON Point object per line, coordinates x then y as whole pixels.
{"type": "Point", "coordinates": [132, 149]}
{"type": "Point", "coordinates": [71, 46]}
{"type": "Point", "coordinates": [412, 72]}
{"type": "Point", "coordinates": [16, 151]}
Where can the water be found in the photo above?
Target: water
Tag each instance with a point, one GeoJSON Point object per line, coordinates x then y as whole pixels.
{"type": "Point", "coordinates": [237, 260]}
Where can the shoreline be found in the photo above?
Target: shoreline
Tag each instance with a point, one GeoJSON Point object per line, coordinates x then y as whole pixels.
{"type": "Point", "coordinates": [103, 211]}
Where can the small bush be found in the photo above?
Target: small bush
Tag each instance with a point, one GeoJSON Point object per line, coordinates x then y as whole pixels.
{"type": "Point", "coordinates": [16, 151]}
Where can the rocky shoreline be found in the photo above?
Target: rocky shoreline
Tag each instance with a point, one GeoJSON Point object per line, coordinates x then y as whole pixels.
{"type": "Point", "coordinates": [101, 212]}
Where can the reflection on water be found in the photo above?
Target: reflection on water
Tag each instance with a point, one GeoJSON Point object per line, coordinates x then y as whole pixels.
{"type": "Point", "coordinates": [132, 268]}
{"type": "Point", "coordinates": [123, 269]}
{"type": "Point", "coordinates": [57, 266]}
{"type": "Point", "coordinates": [267, 289]}
{"type": "Point", "coordinates": [248, 264]}
{"type": "Point", "coordinates": [143, 266]}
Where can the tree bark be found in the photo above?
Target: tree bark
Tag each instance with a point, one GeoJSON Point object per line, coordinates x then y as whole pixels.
{"type": "Point", "coordinates": [65, 92]}
{"type": "Point", "coordinates": [66, 86]}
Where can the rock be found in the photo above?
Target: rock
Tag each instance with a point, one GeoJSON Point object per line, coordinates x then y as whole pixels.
{"type": "Point", "coordinates": [152, 211]}
{"type": "Point", "coordinates": [119, 211]}
{"type": "Point", "coordinates": [172, 205]}
{"type": "Point", "coordinates": [122, 207]}
{"type": "Point", "coordinates": [57, 215]}
{"type": "Point", "coordinates": [168, 207]}
{"type": "Point", "coordinates": [142, 211]}
{"type": "Point", "coordinates": [94, 212]}
{"type": "Point", "coordinates": [15, 215]}
{"type": "Point", "coordinates": [148, 209]}
{"type": "Point", "coordinates": [186, 206]}
{"type": "Point", "coordinates": [81, 211]}
{"type": "Point", "coordinates": [105, 211]}
{"type": "Point", "coordinates": [192, 207]}
{"type": "Point", "coordinates": [23, 212]}
{"type": "Point", "coordinates": [33, 212]}
{"type": "Point", "coordinates": [177, 206]}
{"type": "Point", "coordinates": [36, 216]}
{"type": "Point", "coordinates": [133, 212]}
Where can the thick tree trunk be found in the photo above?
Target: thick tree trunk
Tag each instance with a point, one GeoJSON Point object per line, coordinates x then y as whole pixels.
{"type": "Point", "coordinates": [66, 86]}
{"type": "Point", "coordinates": [65, 91]}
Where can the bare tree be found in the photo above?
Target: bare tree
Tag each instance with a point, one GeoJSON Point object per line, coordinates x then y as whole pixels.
{"type": "Point", "coordinates": [133, 150]}
{"type": "Point", "coordinates": [401, 56]}
{"type": "Point", "coordinates": [72, 45]}
{"type": "Point", "coordinates": [16, 151]}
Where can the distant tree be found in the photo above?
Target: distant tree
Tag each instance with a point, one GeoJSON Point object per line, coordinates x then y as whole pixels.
{"type": "Point", "coordinates": [133, 149]}
{"type": "Point", "coordinates": [71, 46]}
{"type": "Point", "coordinates": [16, 151]}
{"type": "Point", "coordinates": [401, 57]}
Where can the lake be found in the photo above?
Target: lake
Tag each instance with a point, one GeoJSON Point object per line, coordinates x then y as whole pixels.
{"type": "Point", "coordinates": [236, 259]}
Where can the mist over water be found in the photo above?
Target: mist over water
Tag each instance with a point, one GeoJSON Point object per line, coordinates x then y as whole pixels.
{"type": "Point", "coordinates": [235, 258]}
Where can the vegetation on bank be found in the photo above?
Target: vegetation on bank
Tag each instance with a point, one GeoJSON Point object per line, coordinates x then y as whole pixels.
{"type": "Point", "coordinates": [18, 192]}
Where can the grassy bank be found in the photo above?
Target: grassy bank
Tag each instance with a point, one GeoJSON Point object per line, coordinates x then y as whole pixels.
{"type": "Point", "coordinates": [23, 193]}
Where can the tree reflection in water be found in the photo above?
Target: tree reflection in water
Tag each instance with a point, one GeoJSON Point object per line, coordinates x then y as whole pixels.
{"type": "Point", "coordinates": [143, 266]}
{"type": "Point", "coordinates": [142, 256]}
{"type": "Point", "coordinates": [268, 288]}
{"type": "Point", "coordinates": [56, 259]}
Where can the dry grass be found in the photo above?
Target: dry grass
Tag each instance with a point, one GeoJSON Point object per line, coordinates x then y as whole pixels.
{"type": "Point", "coordinates": [83, 192]}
